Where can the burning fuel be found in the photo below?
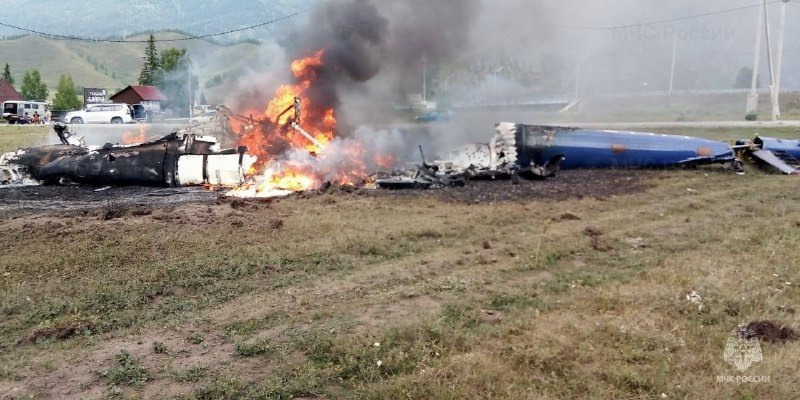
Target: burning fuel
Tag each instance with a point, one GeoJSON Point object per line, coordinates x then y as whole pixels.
{"type": "Point", "coordinates": [135, 137]}
{"type": "Point", "coordinates": [292, 140]}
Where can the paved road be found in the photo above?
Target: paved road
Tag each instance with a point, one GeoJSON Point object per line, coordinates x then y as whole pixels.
{"type": "Point", "coordinates": [100, 134]}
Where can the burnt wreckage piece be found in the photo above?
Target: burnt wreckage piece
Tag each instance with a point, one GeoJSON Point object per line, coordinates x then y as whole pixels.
{"type": "Point", "coordinates": [538, 152]}
{"type": "Point", "coordinates": [781, 154]}
{"type": "Point", "coordinates": [503, 157]}
{"type": "Point", "coordinates": [586, 148]}
{"type": "Point", "coordinates": [174, 160]}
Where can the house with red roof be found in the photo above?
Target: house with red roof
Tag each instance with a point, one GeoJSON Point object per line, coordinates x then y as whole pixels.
{"type": "Point", "coordinates": [148, 96]}
{"type": "Point", "coordinates": [8, 93]}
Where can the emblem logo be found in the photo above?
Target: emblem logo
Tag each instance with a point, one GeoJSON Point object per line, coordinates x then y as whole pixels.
{"type": "Point", "coordinates": [743, 349]}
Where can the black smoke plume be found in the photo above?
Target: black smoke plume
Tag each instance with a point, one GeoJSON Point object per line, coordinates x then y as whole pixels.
{"type": "Point", "coordinates": [366, 40]}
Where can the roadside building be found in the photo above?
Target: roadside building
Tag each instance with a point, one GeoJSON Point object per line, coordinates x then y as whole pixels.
{"type": "Point", "coordinates": [8, 93]}
{"type": "Point", "coordinates": [148, 96]}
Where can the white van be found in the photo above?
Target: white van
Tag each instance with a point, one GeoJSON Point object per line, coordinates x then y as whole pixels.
{"type": "Point", "coordinates": [101, 114]}
{"type": "Point", "coordinates": [14, 111]}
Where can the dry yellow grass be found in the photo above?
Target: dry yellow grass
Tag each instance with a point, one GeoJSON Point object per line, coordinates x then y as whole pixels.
{"type": "Point", "coordinates": [13, 137]}
{"type": "Point", "coordinates": [505, 300]}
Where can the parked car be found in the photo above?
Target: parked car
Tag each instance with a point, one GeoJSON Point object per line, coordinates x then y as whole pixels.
{"type": "Point", "coordinates": [14, 111]}
{"type": "Point", "coordinates": [147, 113]}
{"type": "Point", "coordinates": [101, 114]}
{"type": "Point", "coordinates": [434, 116]}
{"type": "Point", "coordinates": [139, 113]}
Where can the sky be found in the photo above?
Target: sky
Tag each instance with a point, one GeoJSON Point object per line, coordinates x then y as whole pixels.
{"type": "Point", "coordinates": [559, 35]}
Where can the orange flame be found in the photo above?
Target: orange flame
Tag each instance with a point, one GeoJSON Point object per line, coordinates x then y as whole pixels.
{"type": "Point", "coordinates": [273, 137]}
{"type": "Point", "coordinates": [133, 137]}
{"type": "Point", "coordinates": [278, 136]}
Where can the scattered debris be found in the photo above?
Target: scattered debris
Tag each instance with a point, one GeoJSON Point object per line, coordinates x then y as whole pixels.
{"type": "Point", "coordinates": [636, 243]}
{"type": "Point", "coordinates": [425, 176]}
{"type": "Point", "coordinates": [166, 193]}
{"type": "Point", "coordinates": [239, 204]}
{"type": "Point", "coordinates": [491, 316]}
{"type": "Point", "coordinates": [140, 210]}
{"type": "Point", "coordinates": [696, 299]}
{"type": "Point", "coordinates": [275, 224]}
{"type": "Point", "coordinates": [779, 154]}
{"type": "Point", "coordinates": [597, 241]}
{"type": "Point", "coordinates": [568, 216]}
{"type": "Point", "coordinates": [62, 331]}
{"type": "Point", "coordinates": [500, 158]}
{"type": "Point", "coordinates": [772, 332]}
{"type": "Point", "coordinates": [592, 232]}
{"type": "Point", "coordinates": [113, 210]}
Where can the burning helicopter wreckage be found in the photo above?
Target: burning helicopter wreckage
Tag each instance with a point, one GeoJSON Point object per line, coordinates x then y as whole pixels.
{"type": "Point", "coordinates": [294, 148]}
{"type": "Point", "coordinates": [192, 156]}
{"type": "Point", "coordinates": [293, 145]}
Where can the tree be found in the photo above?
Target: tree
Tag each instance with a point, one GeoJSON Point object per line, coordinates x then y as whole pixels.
{"type": "Point", "coordinates": [32, 86]}
{"type": "Point", "coordinates": [176, 66]}
{"type": "Point", "coordinates": [151, 73]}
{"type": "Point", "coordinates": [745, 79]}
{"type": "Point", "coordinates": [7, 75]}
{"type": "Point", "coordinates": [66, 95]}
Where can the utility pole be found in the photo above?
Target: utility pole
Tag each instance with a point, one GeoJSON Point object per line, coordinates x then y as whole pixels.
{"type": "Point", "coordinates": [672, 70]}
{"type": "Point", "coordinates": [752, 98]}
{"type": "Point", "coordinates": [424, 83]}
{"type": "Point", "coordinates": [769, 61]}
{"type": "Point", "coordinates": [776, 94]}
{"type": "Point", "coordinates": [497, 83]}
{"type": "Point", "coordinates": [191, 108]}
{"type": "Point", "coordinates": [578, 79]}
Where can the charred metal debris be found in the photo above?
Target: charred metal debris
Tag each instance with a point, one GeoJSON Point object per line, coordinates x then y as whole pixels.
{"type": "Point", "coordinates": [193, 157]}
{"type": "Point", "coordinates": [182, 158]}
{"type": "Point", "coordinates": [539, 152]}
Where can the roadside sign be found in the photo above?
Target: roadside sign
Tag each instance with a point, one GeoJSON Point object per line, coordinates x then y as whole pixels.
{"type": "Point", "coordinates": [94, 96]}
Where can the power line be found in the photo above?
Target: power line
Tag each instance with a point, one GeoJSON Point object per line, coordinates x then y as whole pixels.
{"type": "Point", "coordinates": [85, 39]}
{"type": "Point", "coordinates": [664, 21]}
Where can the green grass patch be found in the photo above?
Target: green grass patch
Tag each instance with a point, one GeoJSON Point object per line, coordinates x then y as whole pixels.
{"type": "Point", "coordinates": [126, 370]}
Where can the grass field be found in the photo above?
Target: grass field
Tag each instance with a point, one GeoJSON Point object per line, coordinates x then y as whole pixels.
{"type": "Point", "coordinates": [13, 137]}
{"type": "Point", "coordinates": [396, 296]}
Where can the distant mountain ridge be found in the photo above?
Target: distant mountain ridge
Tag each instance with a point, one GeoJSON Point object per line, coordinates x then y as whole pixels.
{"type": "Point", "coordinates": [95, 19]}
{"type": "Point", "coordinates": [115, 65]}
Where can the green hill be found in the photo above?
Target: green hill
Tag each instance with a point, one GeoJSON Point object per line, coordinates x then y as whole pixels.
{"type": "Point", "coordinates": [116, 65]}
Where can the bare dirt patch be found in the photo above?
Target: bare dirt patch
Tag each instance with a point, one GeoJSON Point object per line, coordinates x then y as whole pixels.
{"type": "Point", "coordinates": [596, 239]}
{"type": "Point", "coordinates": [572, 184]}
{"type": "Point", "coordinates": [16, 200]}
{"type": "Point", "coordinates": [119, 202]}
{"type": "Point", "coordinates": [772, 332]}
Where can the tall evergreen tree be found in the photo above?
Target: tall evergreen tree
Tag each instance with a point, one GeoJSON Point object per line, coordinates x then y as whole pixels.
{"type": "Point", "coordinates": [7, 75]}
{"type": "Point", "coordinates": [66, 95]}
{"type": "Point", "coordinates": [151, 69]}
